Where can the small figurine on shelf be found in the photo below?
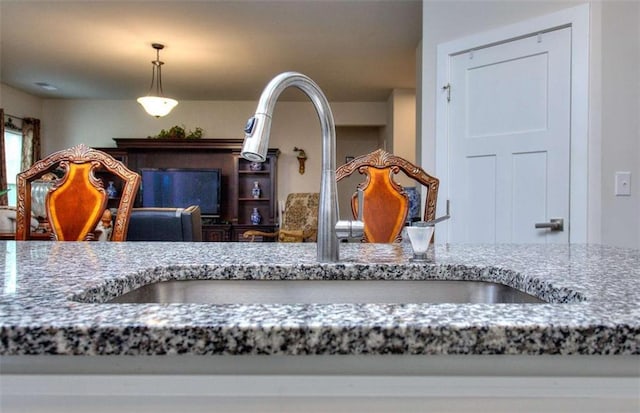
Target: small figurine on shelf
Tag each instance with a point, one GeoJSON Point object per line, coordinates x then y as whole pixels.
{"type": "Point", "coordinates": [105, 226]}
{"type": "Point", "coordinates": [255, 191]}
{"type": "Point", "coordinates": [256, 218]}
{"type": "Point", "coordinates": [112, 192]}
{"type": "Point", "coordinates": [255, 166]}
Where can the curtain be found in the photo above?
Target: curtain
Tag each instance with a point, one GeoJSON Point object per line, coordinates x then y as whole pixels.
{"type": "Point", "coordinates": [30, 142]}
{"type": "Point", "coordinates": [3, 163]}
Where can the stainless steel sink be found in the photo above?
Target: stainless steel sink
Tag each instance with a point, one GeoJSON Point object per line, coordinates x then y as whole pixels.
{"type": "Point", "coordinates": [325, 292]}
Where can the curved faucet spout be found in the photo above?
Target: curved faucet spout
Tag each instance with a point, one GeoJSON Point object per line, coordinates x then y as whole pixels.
{"type": "Point", "coordinates": [256, 144]}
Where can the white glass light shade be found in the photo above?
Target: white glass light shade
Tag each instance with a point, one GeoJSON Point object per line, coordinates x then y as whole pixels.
{"type": "Point", "coordinates": [157, 105]}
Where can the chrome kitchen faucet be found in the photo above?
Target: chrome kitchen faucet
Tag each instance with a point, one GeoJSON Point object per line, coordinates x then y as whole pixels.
{"type": "Point", "coordinates": [255, 147]}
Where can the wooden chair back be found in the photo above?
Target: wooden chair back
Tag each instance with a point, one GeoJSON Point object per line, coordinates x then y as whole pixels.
{"type": "Point", "coordinates": [77, 200]}
{"type": "Point", "coordinates": [386, 204]}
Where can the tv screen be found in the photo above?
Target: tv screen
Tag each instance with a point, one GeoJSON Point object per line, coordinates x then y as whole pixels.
{"type": "Point", "coordinates": [182, 187]}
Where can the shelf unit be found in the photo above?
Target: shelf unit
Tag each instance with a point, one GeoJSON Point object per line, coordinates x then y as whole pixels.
{"type": "Point", "coordinates": [106, 177]}
{"type": "Point", "coordinates": [267, 202]}
{"type": "Point", "coordinates": [237, 179]}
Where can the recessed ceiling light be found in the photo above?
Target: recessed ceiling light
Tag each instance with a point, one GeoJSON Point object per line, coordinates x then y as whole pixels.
{"type": "Point", "coordinates": [46, 86]}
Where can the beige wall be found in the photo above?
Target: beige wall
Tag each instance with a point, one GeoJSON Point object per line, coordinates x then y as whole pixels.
{"type": "Point", "coordinates": [614, 96]}
{"type": "Point", "coordinates": [620, 125]}
{"type": "Point", "coordinates": [354, 141]}
{"type": "Point", "coordinates": [96, 122]}
{"type": "Point", "coordinates": [20, 104]}
{"type": "Point", "coordinates": [402, 123]}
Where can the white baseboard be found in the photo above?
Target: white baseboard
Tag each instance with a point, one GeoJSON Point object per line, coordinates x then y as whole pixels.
{"type": "Point", "coordinates": [296, 393]}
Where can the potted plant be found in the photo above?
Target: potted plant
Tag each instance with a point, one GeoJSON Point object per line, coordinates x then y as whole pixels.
{"type": "Point", "coordinates": [178, 132]}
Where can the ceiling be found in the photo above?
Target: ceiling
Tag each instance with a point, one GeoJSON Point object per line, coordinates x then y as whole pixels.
{"type": "Point", "coordinates": [356, 50]}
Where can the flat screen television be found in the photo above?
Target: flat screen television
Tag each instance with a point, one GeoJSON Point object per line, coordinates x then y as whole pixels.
{"type": "Point", "coordinates": [182, 187]}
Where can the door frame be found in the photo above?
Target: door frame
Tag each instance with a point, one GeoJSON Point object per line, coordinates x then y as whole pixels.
{"type": "Point", "coordinates": [578, 19]}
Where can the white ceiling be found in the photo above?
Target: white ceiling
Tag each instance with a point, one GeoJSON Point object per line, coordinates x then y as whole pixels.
{"type": "Point", "coordinates": [356, 50]}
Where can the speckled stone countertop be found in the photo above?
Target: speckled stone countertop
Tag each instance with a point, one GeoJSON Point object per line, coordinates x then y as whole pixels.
{"type": "Point", "coordinates": [53, 298]}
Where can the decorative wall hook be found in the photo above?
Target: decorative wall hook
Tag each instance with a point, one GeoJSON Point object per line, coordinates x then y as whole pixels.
{"type": "Point", "coordinates": [302, 157]}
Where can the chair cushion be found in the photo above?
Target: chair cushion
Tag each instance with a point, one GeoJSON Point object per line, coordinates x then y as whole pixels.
{"type": "Point", "coordinates": [76, 204]}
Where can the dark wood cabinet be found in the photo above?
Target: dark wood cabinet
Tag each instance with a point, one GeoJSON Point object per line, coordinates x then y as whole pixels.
{"type": "Point", "coordinates": [216, 232]}
{"type": "Point", "coordinates": [238, 178]}
{"type": "Point", "coordinates": [238, 230]}
{"type": "Point", "coordinates": [110, 180]}
{"type": "Point", "coordinates": [261, 177]}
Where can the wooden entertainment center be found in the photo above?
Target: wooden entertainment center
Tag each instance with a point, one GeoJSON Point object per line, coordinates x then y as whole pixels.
{"type": "Point", "coordinates": [238, 179]}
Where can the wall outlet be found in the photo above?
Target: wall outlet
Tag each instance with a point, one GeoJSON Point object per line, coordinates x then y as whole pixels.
{"type": "Point", "coordinates": [623, 183]}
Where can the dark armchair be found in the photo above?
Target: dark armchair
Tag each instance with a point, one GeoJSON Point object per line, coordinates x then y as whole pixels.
{"type": "Point", "coordinates": [165, 224]}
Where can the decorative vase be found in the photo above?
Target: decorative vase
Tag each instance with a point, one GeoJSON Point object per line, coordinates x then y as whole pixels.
{"type": "Point", "coordinates": [255, 166]}
{"type": "Point", "coordinates": [255, 192]}
{"type": "Point", "coordinates": [414, 203]}
{"type": "Point", "coordinates": [39, 189]}
{"type": "Point", "coordinates": [112, 192]}
{"type": "Point", "coordinates": [256, 218]}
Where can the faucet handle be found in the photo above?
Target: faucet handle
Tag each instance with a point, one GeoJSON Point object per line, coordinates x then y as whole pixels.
{"type": "Point", "coordinates": [248, 128]}
{"type": "Point", "coordinates": [352, 229]}
{"type": "Point", "coordinates": [349, 229]}
{"type": "Point", "coordinates": [442, 218]}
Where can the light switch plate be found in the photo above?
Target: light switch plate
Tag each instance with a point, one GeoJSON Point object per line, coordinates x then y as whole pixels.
{"type": "Point", "coordinates": [623, 183]}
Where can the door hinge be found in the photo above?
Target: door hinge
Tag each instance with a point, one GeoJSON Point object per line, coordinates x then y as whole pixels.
{"type": "Point", "coordinates": [447, 87]}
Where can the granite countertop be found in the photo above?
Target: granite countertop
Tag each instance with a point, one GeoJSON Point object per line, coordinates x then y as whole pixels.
{"type": "Point", "coordinates": [54, 293]}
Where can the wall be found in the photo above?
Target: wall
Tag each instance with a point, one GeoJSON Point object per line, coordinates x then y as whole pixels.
{"type": "Point", "coordinates": [613, 96]}
{"type": "Point", "coordinates": [96, 122]}
{"type": "Point", "coordinates": [354, 141]}
{"type": "Point", "coordinates": [402, 123]}
{"type": "Point", "coordinates": [398, 136]}
{"type": "Point", "coordinates": [620, 65]}
{"type": "Point", "coordinates": [18, 103]}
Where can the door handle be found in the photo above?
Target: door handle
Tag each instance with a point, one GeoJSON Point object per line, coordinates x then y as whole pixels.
{"type": "Point", "coordinates": [554, 224]}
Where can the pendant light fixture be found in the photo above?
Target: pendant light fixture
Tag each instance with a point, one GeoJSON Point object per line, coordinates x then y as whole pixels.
{"type": "Point", "coordinates": [157, 105]}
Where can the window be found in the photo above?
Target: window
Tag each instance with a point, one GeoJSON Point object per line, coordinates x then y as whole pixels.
{"type": "Point", "coordinates": [13, 154]}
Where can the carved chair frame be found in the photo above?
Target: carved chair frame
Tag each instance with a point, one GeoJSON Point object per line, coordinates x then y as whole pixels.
{"type": "Point", "coordinates": [64, 159]}
{"type": "Point", "coordinates": [380, 159]}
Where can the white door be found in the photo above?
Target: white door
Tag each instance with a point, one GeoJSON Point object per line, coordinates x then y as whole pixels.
{"type": "Point", "coordinates": [509, 137]}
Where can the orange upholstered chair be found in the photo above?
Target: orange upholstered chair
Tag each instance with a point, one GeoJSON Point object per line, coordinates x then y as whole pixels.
{"type": "Point", "coordinates": [386, 204]}
{"type": "Point", "coordinates": [77, 200]}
